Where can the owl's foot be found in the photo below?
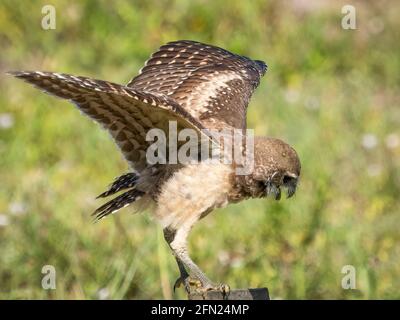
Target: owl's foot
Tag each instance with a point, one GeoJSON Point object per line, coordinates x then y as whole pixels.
{"type": "Point", "coordinates": [190, 284]}
{"type": "Point", "coordinates": [196, 286]}
{"type": "Point", "coordinates": [222, 287]}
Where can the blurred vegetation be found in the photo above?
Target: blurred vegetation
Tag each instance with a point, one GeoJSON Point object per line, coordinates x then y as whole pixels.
{"type": "Point", "coordinates": [331, 93]}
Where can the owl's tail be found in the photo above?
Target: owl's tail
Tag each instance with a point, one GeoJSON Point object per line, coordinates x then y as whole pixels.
{"type": "Point", "coordinates": [126, 181]}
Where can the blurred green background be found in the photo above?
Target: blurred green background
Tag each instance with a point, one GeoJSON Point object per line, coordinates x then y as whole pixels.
{"type": "Point", "coordinates": [331, 93]}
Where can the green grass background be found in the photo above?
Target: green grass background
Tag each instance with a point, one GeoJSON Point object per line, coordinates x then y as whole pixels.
{"type": "Point", "coordinates": [331, 93]}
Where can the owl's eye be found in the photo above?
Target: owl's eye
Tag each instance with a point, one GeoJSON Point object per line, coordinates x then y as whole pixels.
{"type": "Point", "coordinates": [262, 184]}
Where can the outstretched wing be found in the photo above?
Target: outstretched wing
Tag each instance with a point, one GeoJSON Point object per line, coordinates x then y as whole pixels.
{"type": "Point", "coordinates": [126, 113]}
{"type": "Point", "coordinates": [210, 83]}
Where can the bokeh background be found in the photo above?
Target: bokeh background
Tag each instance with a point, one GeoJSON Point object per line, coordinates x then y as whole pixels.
{"type": "Point", "coordinates": [331, 93]}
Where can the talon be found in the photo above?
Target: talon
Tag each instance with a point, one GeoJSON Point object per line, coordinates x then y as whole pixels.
{"type": "Point", "coordinates": [223, 288]}
{"type": "Point", "coordinates": [178, 283]}
{"type": "Point", "coordinates": [188, 284]}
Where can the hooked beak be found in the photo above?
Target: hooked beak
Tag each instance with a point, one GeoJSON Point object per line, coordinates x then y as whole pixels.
{"type": "Point", "coordinates": [290, 183]}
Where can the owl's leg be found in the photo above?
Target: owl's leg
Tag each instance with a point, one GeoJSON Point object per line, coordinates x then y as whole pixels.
{"type": "Point", "coordinates": [177, 241]}
{"type": "Point", "coordinates": [169, 235]}
{"type": "Point", "coordinates": [184, 276]}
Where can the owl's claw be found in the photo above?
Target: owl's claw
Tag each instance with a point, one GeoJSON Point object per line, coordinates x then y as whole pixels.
{"type": "Point", "coordinates": [222, 287]}
{"type": "Point", "coordinates": [195, 286]}
{"type": "Point", "coordinates": [188, 284]}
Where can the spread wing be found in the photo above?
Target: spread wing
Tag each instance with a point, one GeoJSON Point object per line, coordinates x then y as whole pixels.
{"type": "Point", "coordinates": [213, 85]}
{"type": "Point", "coordinates": [126, 113]}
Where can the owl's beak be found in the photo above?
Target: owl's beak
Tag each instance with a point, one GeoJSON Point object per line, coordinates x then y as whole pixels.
{"type": "Point", "coordinates": [289, 181]}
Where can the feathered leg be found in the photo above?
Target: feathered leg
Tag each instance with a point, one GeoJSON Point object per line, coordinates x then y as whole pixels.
{"type": "Point", "coordinates": [177, 241]}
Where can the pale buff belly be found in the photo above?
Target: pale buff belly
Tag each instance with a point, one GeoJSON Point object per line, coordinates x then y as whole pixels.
{"type": "Point", "coordinates": [192, 192]}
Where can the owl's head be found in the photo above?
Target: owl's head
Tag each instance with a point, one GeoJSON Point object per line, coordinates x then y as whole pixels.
{"type": "Point", "coordinates": [276, 166]}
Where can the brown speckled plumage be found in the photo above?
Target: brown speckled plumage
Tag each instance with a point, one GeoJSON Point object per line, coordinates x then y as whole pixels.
{"type": "Point", "coordinates": [200, 87]}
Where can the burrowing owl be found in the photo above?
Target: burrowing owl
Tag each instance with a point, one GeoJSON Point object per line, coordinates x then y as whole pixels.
{"type": "Point", "coordinates": [198, 86]}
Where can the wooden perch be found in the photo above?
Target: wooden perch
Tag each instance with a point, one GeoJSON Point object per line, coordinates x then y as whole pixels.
{"type": "Point", "coordinates": [235, 294]}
